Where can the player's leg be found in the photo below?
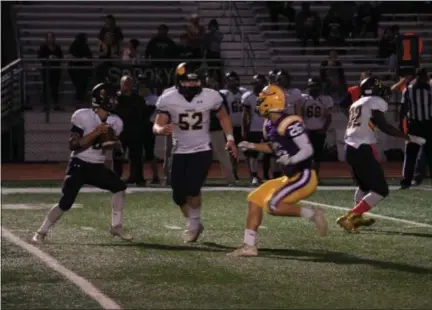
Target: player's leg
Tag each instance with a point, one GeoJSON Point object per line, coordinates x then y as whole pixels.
{"type": "Point", "coordinates": [168, 160]}
{"type": "Point", "coordinates": [373, 184]}
{"type": "Point", "coordinates": [237, 138]}
{"type": "Point", "coordinates": [106, 179]}
{"type": "Point", "coordinates": [252, 157]}
{"type": "Point", "coordinates": [149, 146]}
{"type": "Point", "coordinates": [420, 171]}
{"type": "Point", "coordinates": [179, 180]}
{"type": "Point", "coordinates": [318, 141]}
{"type": "Point", "coordinates": [119, 157]}
{"type": "Point", "coordinates": [411, 153]}
{"type": "Point", "coordinates": [136, 162]}
{"type": "Point", "coordinates": [428, 153]}
{"type": "Point", "coordinates": [198, 166]}
{"type": "Point", "coordinates": [280, 197]}
{"type": "Point", "coordinates": [72, 183]}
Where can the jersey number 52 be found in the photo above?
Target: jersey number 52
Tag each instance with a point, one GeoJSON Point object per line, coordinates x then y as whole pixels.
{"type": "Point", "coordinates": [354, 117]}
{"type": "Point", "coordinates": [191, 121]}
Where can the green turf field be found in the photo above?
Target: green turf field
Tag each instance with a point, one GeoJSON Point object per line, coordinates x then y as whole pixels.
{"type": "Point", "coordinates": [387, 266]}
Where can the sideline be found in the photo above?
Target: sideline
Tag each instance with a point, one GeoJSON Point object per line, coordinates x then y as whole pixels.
{"type": "Point", "coordinates": [88, 288]}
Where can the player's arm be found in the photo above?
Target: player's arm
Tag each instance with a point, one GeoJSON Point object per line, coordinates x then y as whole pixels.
{"type": "Point", "coordinates": [161, 124]}
{"type": "Point", "coordinates": [293, 128]}
{"type": "Point", "coordinates": [225, 122]}
{"type": "Point", "coordinates": [77, 140]}
{"type": "Point", "coordinates": [378, 118]}
{"type": "Point", "coordinates": [246, 117]}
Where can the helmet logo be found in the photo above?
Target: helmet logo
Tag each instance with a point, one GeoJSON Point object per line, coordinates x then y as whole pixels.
{"type": "Point", "coordinates": [181, 70]}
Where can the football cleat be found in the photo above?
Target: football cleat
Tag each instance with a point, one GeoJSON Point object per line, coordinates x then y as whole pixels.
{"type": "Point", "coordinates": [192, 236]}
{"type": "Point", "coordinates": [255, 182]}
{"type": "Point", "coordinates": [119, 231]}
{"type": "Point", "coordinates": [350, 222]}
{"type": "Point", "coordinates": [38, 238]}
{"type": "Point", "coordinates": [364, 221]}
{"type": "Point", "coordinates": [245, 251]}
{"type": "Point", "coordinates": [320, 222]}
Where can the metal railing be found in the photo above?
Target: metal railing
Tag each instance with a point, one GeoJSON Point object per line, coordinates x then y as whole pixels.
{"type": "Point", "coordinates": [236, 26]}
{"type": "Point", "coordinates": [13, 90]}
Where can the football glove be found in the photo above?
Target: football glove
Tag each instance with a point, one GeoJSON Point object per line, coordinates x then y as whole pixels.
{"type": "Point", "coordinates": [284, 160]}
{"type": "Point", "coordinates": [417, 140]}
{"type": "Point", "coordinates": [244, 146]}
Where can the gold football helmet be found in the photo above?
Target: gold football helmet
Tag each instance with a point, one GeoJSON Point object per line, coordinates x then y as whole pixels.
{"type": "Point", "coordinates": [271, 99]}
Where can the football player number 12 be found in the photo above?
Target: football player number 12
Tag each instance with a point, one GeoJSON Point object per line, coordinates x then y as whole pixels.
{"type": "Point", "coordinates": [191, 121]}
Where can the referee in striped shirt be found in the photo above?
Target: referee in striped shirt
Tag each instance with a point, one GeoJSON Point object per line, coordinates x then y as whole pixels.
{"type": "Point", "coordinates": [417, 107]}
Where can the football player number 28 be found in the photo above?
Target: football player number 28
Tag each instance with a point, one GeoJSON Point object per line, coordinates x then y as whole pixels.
{"type": "Point", "coordinates": [191, 121]}
{"type": "Point", "coordinates": [354, 117]}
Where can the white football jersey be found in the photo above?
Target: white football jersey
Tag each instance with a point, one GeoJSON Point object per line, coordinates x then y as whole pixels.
{"type": "Point", "coordinates": [235, 108]}
{"type": "Point", "coordinates": [314, 109]}
{"type": "Point", "coordinates": [292, 95]}
{"type": "Point", "coordinates": [249, 100]}
{"type": "Point", "coordinates": [151, 102]}
{"type": "Point", "coordinates": [88, 120]}
{"type": "Point", "coordinates": [191, 119]}
{"type": "Point", "coordinates": [360, 129]}
{"type": "Point", "coordinates": [169, 89]}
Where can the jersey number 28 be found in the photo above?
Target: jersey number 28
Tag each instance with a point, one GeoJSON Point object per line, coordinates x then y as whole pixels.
{"type": "Point", "coordinates": [191, 121]}
{"type": "Point", "coordinates": [354, 117]}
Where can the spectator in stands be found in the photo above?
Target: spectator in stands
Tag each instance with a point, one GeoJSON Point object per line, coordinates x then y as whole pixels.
{"type": "Point", "coordinates": [277, 8]}
{"type": "Point", "coordinates": [50, 54]}
{"type": "Point", "coordinates": [333, 76]}
{"type": "Point", "coordinates": [212, 45]}
{"type": "Point", "coordinates": [334, 30]}
{"type": "Point", "coordinates": [160, 47]}
{"type": "Point", "coordinates": [308, 25]}
{"type": "Point", "coordinates": [80, 72]}
{"type": "Point", "coordinates": [115, 31]}
{"type": "Point", "coordinates": [367, 19]}
{"type": "Point", "coordinates": [196, 33]}
{"type": "Point", "coordinates": [387, 47]}
{"type": "Point", "coordinates": [131, 53]}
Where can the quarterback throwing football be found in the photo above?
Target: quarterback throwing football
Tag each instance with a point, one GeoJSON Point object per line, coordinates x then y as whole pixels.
{"type": "Point", "coordinates": [86, 165]}
{"type": "Point", "coordinates": [280, 197]}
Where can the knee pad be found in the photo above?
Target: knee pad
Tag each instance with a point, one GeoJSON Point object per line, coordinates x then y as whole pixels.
{"type": "Point", "coordinates": [179, 199]}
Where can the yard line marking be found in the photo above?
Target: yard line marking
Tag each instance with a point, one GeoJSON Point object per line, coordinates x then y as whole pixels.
{"type": "Point", "coordinates": [34, 206]}
{"type": "Point", "coordinates": [378, 216]}
{"type": "Point", "coordinates": [88, 288]}
{"type": "Point", "coordinates": [51, 190]}
{"type": "Point", "coordinates": [173, 227]}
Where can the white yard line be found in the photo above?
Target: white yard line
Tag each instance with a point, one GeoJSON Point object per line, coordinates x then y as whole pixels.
{"type": "Point", "coordinates": [51, 190]}
{"type": "Point", "coordinates": [88, 288]}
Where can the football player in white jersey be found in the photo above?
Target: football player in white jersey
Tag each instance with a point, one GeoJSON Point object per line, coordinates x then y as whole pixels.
{"type": "Point", "coordinates": [293, 100]}
{"type": "Point", "coordinates": [233, 94]}
{"type": "Point", "coordinates": [364, 114]}
{"type": "Point", "coordinates": [253, 123]}
{"type": "Point", "coordinates": [149, 137]}
{"type": "Point", "coordinates": [188, 108]}
{"type": "Point", "coordinates": [317, 116]}
{"type": "Point", "coordinates": [86, 165]}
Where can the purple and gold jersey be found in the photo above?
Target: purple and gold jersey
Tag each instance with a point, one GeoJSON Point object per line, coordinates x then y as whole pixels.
{"type": "Point", "coordinates": [280, 136]}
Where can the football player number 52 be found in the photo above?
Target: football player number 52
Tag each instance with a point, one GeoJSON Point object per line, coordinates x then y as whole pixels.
{"type": "Point", "coordinates": [191, 121]}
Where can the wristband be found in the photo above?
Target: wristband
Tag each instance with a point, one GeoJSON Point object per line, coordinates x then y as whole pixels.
{"type": "Point", "coordinates": [230, 137]}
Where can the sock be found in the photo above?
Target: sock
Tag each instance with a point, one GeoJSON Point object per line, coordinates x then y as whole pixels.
{"type": "Point", "coordinates": [250, 237]}
{"type": "Point", "coordinates": [359, 194]}
{"type": "Point", "coordinates": [117, 205]}
{"type": "Point", "coordinates": [372, 199]}
{"type": "Point", "coordinates": [52, 217]}
{"type": "Point", "coordinates": [361, 207]}
{"type": "Point", "coordinates": [194, 218]}
{"type": "Point", "coordinates": [307, 213]}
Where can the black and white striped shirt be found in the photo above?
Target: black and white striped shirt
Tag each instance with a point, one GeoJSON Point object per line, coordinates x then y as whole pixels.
{"type": "Point", "coordinates": [417, 102]}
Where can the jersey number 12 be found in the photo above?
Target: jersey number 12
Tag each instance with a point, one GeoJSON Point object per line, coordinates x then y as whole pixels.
{"type": "Point", "coordinates": [191, 121]}
{"type": "Point", "coordinates": [354, 117]}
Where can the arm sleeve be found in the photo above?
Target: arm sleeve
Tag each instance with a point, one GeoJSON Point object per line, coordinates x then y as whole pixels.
{"type": "Point", "coordinates": [161, 106]}
{"type": "Point", "coordinates": [305, 148]}
{"type": "Point", "coordinates": [77, 123]}
{"type": "Point", "coordinates": [328, 102]}
{"type": "Point", "coordinates": [245, 100]}
{"type": "Point", "coordinates": [217, 102]}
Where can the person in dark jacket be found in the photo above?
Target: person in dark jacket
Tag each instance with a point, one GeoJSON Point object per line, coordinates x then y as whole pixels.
{"type": "Point", "coordinates": [131, 109]}
{"type": "Point", "coordinates": [149, 139]}
{"type": "Point", "coordinates": [50, 54]}
{"type": "Point", "coordinates": [161, 47]}
{"type": "Point", "coordinates": [80, 72]}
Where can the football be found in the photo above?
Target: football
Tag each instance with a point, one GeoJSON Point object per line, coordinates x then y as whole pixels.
{"type": "Point", "coordinates": [108, 139]}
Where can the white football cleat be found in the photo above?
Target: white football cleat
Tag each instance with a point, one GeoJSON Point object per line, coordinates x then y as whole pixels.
{"type": "Point", "coordinates": [192, 236]}
{"type": "Point", "coordinates": [119, 231]}
{"type": "Point", "coordinates": [255, 182]}
{"type": "Point", "coordinates": [320, 222]}
{"type": "Point", "coordinates": [38, 238]}
{"type": "Point", "coordinates": [245, 251]}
